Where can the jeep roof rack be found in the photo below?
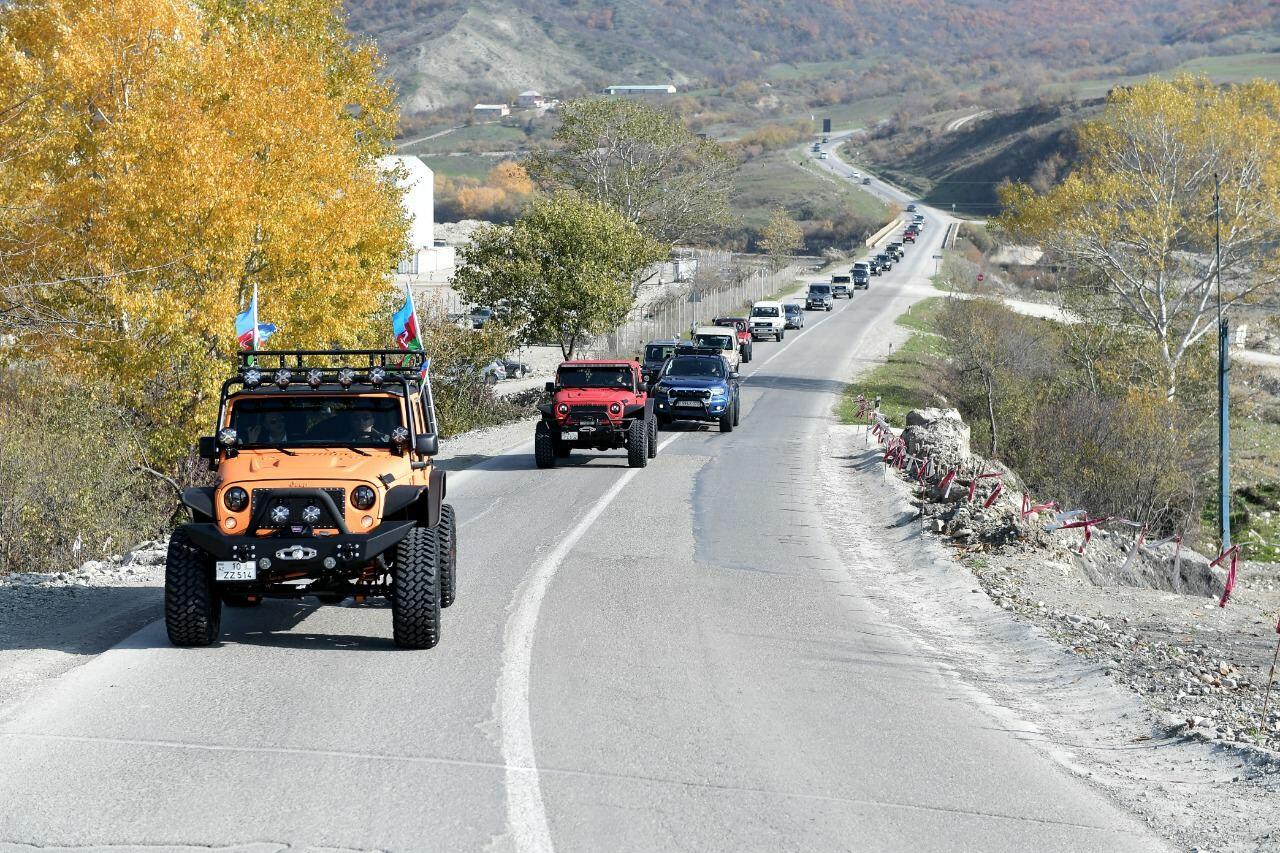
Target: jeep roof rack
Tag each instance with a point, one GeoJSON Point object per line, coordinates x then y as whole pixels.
{"type": "Point", "coordinates": [394, 362]}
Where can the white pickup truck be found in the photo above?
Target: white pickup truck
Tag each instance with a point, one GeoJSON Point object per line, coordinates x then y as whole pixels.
{"type": "Point", "coordinates": [768, 320]}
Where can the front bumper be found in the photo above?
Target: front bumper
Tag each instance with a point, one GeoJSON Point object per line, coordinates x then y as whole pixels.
{"type": "Point", "coordinates": [708, 410]}
{"type": "Point", "coordinates": [300, 552]}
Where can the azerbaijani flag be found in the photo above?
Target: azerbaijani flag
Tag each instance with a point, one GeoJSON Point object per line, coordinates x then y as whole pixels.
{"type": "Point", "coordinates": [247, 324]}
{"type": "Point", "coordinates": [404, 325]}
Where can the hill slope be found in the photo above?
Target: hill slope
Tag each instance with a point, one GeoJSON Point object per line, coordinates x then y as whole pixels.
{"type": "Point", "coordinates": [453, 51]}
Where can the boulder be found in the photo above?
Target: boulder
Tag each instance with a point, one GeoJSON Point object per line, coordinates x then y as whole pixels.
{"type": "Point", "coordinates": [940, 433]}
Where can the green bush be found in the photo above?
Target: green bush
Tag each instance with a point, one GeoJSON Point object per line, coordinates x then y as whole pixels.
{"type": "Point", "coordinates": [71, 470]}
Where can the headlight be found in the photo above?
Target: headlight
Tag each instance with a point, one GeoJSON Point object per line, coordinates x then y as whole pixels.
{"type": "Point", "coordinates": [562, 409]}
{"type": "Point", "coordinates": [719, 393]}
{"type": "Point", "coordinates": [362, 497]}
{"type": "Point", "coordinates": [279, 513]}
{"type": "Point", "coordinates": [235, 499]}
{"type": "Point", "coordinates": [311, 513]}
{"type": "Point", "coordinates": [614, 409]}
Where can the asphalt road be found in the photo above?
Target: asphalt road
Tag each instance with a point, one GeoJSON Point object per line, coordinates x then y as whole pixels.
{"type": "Point", "coordinates": [665, 659]}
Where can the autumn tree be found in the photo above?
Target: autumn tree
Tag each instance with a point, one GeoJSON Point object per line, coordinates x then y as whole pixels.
{"type": "Point", "coordinates": [659, 175]}
{"type": "Point", "coordinates": [1135, 219]}
{"type": "Point", "coordinates": [781, 236]}
{"type": "Point", "coordinates": [163, 159]}
{"type": "Point", "coordinates": [561, 272]}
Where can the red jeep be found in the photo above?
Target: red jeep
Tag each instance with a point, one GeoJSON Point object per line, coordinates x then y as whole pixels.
{"type": "Point", "coordinates": [909, 236]}
{"type": "Point", "coordinates": [597, 404]}
{"type": "Point", "coordinates": [743, 328]}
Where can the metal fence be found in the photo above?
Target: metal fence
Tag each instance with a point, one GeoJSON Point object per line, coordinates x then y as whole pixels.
{"type": "Point", "coordinates": [725, 284]}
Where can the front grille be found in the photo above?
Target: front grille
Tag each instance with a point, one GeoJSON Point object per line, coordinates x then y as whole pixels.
{"type": "Point", "coordinates": [690, 394]}
{"type": "Point", "coordinates": [588, 414]}
{"type": "Point", "coordinates": [296, 506]}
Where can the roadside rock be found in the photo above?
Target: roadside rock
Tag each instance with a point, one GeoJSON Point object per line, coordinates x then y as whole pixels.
{"type": "Point", "coordinates": [940, 433]}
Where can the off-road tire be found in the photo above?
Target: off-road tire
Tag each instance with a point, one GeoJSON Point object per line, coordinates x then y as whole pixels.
{"type": "Point", "coordinates": [781, 335]}
{"type": "Point", "coordinates": [726, 420]}
{"type": "Point", "coordinates": [637, 443]}
{"type": "Point", "coordinates": [192, 607]}
{"type": "Point", "coordinates": [828, 307]}
{"type": "Point", "coordinates": [544, 449]}
{"type": "Point", "coordinates": [652, 423]}
{"type": "Point", "coordinates": [415, 589]}
{"type": "Point", "coordinates": [240, 599]}
{"type": "Point", "coordinates": [448, 537]}
{"type": "Point", "coordinates": [746, 355]}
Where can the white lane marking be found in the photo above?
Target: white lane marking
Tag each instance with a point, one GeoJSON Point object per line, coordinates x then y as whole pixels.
{"type": "Point", "coordinates": [526, 811]}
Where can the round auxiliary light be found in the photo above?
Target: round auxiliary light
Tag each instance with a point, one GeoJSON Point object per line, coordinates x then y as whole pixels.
{"type": "Point", "coordinates": [346, 376]}
{"type": "Point", "coordinates": [377, 376]}
{"type": "Point", "coordinates": [400, 436]}
{"type": "Point", "coordinates": [264, 563]}
{"type": "Point", "coordinates": [252, 377]}
{"type": "Point", "coordinates": [366, 521]}
{"type": "Point", "coordinates": [230, 523]}
{"type": "Point", "coordinates": [228, 437]}
{"type": "Point", "coordinates": [614, 408]}
{"type": "Point", "coordinates": [362, 497]}
{"type": "Point", "coordinates": [235, 499]}
{"type": "Point", "coordinates": [280, 513]}
{"type": "Point", "coordinates": [311, 513]}
{"type": "Point", "coordinates": [563, 409]}
{"type": "Point", "coordinates": [315, 376]}
{"type": "Point", "coordinates": [283, 377]}
{"type": "Point", "coordinates": [329, 562]}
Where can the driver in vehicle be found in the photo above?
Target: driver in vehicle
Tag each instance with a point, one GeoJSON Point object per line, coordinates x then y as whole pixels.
{"type": "Point", "coordinates": [271, 430]}
{"type": "Point", "coordinates": [362, 425]}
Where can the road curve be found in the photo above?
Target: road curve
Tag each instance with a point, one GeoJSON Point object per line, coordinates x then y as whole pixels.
{"type": "Point", "coordinates": [667, 659]}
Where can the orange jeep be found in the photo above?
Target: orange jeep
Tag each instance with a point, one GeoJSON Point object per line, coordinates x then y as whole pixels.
{"type": "Point", "coordinates": [325, 488]}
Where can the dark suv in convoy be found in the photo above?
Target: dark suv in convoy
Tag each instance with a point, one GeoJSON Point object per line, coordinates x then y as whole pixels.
{"type": "Point", "coordinates": [861, 276]}
{"type": "Point", "coordinates": [885, 260]}
{"type": "Point", "coordinates": [655, 355]}
{"type": "Point", "coordinates": [697, 385]}
{"type": "Point", "coordinates": [895, 250]}
{"type": "Point", "coordinates": [818, 298]}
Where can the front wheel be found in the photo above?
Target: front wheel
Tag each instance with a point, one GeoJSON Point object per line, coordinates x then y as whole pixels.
{"type": "Point", "coordinates": [637, 443]}
{"type": "Point", "coordinates": [544, 451]}
{"type": "Point", "coordinates": [737, 408]}
{"type": "Point", "coordinates": [192, 608]}
{"type": "Point", "coordinates": [726, 420]}
{"type": "Point", "coordinates": [415, 590]}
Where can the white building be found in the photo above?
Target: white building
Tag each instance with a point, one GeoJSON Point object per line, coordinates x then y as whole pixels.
{"type": "Point", "coordinates": [660, 91]}
{"type": "Point", "coordinates": [491, 110]}
{"type": "Point", "coordinates": [424, 258]}
{"type": "Point", "coordinates": [530, 99]}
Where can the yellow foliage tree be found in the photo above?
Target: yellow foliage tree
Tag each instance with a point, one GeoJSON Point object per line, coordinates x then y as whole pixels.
{"type": "Point", "coordinates": [1135, 219]}
{"type": "Point", "coordinates": [511, 177]}
{"type": "Point", "coordinates": [479, 202]}
{"type": "Point", "coordinates": [160, 161]}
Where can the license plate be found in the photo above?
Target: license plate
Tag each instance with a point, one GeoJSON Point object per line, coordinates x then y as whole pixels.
{"type": "Point", "coordinates": [569, 435]}
{"type": "Point", "coordinates": [233, 570]}
{"type": "Point", "coordinates": [693, 403]}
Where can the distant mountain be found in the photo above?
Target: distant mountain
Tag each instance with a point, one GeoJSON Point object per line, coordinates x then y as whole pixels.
{"type": "Point", "coordinates": [450, 52]}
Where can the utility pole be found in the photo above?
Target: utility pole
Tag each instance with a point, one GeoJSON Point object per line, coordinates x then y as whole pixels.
{"type": "Point", "coordinates": [1224, 369]}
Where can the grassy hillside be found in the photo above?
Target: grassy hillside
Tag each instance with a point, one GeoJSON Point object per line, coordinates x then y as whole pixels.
{"type": "Point", "coordinates": [812, 53]}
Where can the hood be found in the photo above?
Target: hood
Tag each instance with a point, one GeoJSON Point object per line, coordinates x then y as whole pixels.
{"type": "Point", "coordinates": [309, 466]}
{"type": "Point", "coordinates": [711, 382]}
{"type": "Point", "coordinates": [596, 396]}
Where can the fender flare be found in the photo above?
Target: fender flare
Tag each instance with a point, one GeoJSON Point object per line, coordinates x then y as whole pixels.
{"type": "Point", "coordinates": [421, 502]}
{"type": "Point", "coordinates": [199, 499]}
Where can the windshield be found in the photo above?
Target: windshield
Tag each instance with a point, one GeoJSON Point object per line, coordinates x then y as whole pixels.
{"type": "Point", "coordinates": [695, 365]}
{"type": "Point", "coordinates": [820, 289]}
{"type": "Point", "coordinates": [839, 279]}
{"type": "Point", "coordinates": [315, 421]}
{"type": "Point", "coordinates": [764, 311]}
{"type": "Point", "coordinates": [717, 341]}
{"type": "Point", "coordinates": [793, 309]}
{"type": "Point", "coordinates": [594, 376]}
{"type": "Point", "coordinates": [658, 352]}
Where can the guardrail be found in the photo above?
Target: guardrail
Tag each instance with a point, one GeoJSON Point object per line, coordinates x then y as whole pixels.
{"type": "Point", "coordinates": [949, 239]}
{"type": "Point", "coordinates": [884, 232]}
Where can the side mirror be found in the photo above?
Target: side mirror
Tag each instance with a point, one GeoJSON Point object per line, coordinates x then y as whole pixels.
{"type": "Point", "coordinates": [733, 374]}
{"type": "Point", "coordinates": [208, 448]}
{"type": "Point", "coordinates": [427, 444]}
{"type": "Point", "coordinates": [551, 387]}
